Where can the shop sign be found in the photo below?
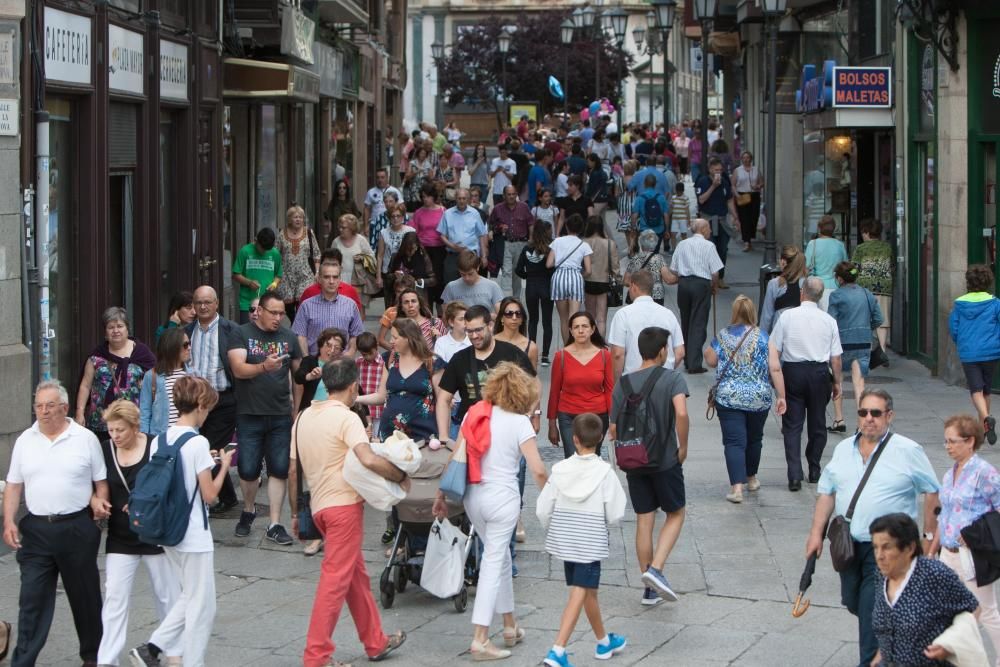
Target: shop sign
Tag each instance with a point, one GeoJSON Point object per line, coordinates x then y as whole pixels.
{"type": "Point", "coordinates": [67, 47]}
{"type": "Point", "coordinates": [327, 67]}
{"type": "Point", "coordinates": [9, 119]}
{"type": "Point", "coordinates": [298, 32]}
{"type": "Point", "coordinates": [304, 85]}
{"type": "Point", "coordinates": [862, 87]}
{"type": "Point", "coordinates": [125, 61]}
{"type": "Point", "coordinates": [7, 47]}
{"type": "Point", "coordinates": [173, 71]}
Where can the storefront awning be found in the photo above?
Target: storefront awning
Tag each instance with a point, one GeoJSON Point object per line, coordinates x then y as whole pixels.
{"type": "Point", "coordinates": [259, 79]}
{"type": "Point", "coordinates": [849, 118]}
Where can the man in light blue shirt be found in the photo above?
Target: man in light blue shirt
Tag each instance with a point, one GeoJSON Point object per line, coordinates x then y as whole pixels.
{"type": "Point", "coordinates": [461, 228]}
{"type": "Point", "coordinates": [901, 473]}
{"type": "Point", "coordinates": [638, 181]}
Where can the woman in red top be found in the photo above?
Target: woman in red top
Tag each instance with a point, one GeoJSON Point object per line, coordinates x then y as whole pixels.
{"type": "Point", "coordinates": [425, 221]}
{"type": "Point", "coordinates": [582, 381]}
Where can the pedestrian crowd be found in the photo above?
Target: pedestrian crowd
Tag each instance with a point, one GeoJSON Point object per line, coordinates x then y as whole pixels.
{"type": "Point", "coordinates": [455, 363]}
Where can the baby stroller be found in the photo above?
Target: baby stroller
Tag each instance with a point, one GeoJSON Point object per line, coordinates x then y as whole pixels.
{"type": "Point", "coordinates": [415, 517]}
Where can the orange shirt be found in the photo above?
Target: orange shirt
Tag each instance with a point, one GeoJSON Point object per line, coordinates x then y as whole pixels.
{"type": "Point", "coordinates": [321, 437]}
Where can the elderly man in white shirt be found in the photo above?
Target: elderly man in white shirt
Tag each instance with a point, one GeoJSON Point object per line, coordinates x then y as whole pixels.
{"type": "Point", "coordinates": [695, 267]}
{"type": "Point", "coordinates": [808, 342]}
{"type": "Point", "coordinates": [58, 467]}
{"type": "Point", "coordinates": [629, 321]}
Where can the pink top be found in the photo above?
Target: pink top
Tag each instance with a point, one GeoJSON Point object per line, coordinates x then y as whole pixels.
{"type": "Point", "coordinates": [425, 221]}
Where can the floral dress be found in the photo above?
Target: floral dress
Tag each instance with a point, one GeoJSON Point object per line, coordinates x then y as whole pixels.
{"type": "Point", "coordinates": [409, 405]}
{"type": "Point", "coordinates": [296, 270]}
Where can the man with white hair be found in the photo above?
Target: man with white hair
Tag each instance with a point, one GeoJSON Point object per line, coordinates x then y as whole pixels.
{"type": "Point", "coordinates": [58, 467]}
{"type": "Point", "coordinates": [695, 267]}
{"type": "Point", "coordinates": [808, 342]}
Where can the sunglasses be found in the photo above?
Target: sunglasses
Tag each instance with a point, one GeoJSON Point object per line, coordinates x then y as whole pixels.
{"type": "Point", "coordinates": [511, 314]}
{"type": "Point", "coordinates": [874, 413]}
{"type": "Point", "coordinates": [253, 309]}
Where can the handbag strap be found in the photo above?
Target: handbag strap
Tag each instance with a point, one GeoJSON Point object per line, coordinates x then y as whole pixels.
{"type": "Point", "coordinates": [732, 355]}
{"type": "Point", "coordinates": [868, 472]}
{"type": "Point", "coordinates": [570, 254]}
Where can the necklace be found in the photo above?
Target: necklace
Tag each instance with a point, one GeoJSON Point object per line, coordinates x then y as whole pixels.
{"type": "Point", "coordinates": [295, 241]}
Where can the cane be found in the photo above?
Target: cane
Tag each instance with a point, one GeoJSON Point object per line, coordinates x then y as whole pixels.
{"type": "Point", "coordinates": [715, 317]}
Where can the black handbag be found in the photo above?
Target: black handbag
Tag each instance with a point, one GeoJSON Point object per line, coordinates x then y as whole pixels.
{"type": "Point", "coordinates": [615, 296]}
{"type": "Point", "coordinates": [839, 531]}
{"type": "Point", "coordinates": [307, 529]}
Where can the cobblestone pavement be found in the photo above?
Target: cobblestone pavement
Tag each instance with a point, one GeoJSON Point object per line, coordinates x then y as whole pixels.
{"type": "Point", "coordinates": [736, 566]}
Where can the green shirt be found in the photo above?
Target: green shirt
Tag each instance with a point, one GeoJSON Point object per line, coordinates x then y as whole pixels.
{"type": "Point", "coordinates": [263, 268]}
{"type": "Point", "coordinates": [874, 259]}
{"type": "Point", "coordinates": [437, 145]}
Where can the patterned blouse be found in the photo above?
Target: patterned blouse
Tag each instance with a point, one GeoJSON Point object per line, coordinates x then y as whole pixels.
{"type": "Point", "coordinates": [104, 379]}
{"type": "Point", "coordinates": [297, 275]}
{"type": "Point", "coordinates": [747, 384]}
{"type": "Point", "coordinates": [409, 405]}
{"type": "Point", "coordinates": [973, 494]}
{"type": "Point", "coordinates": [654, 266]}
{"type": "Point", "coordinates": [874, 259]}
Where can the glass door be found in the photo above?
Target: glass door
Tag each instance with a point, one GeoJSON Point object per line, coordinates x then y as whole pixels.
{"type": "Point", "coordinates": [927, 191]}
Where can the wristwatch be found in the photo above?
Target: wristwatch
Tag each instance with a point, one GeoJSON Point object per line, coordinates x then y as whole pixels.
{"type": "Point", "coordinates": [928, 536]}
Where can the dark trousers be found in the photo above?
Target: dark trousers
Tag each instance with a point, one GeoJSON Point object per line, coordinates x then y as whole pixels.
{"type": "Point", "coordinates": [437, 255]}
{"type": "Point", "coordinates": [720, 237]}
{"type": "Point", "coordinates": [536, 297]}
{"type": "Point", "coordinates": [694, 297]}
{"type": "Point", "coordinates": [66, 549]}
{"type": "Point", "coordinates": [749, 217]}
{"type": "Point", "coordinates": [742, 438]}
{"type": "Point", "coordinates": [857, 592]}
{"type": "Point", "coordinates": [807, 391]}
{"type": "Point", "coordinates": [565, 422]}
{"type": "Point", "coordinates": [218, 430]}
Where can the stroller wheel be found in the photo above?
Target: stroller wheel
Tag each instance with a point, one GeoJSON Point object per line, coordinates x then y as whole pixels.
{"type": "Point", "coordinates": [461, 600]}
{"type": "Point", "coordinates": [387, 590]}
{"type": "Point", "coordinates": [401, 575]}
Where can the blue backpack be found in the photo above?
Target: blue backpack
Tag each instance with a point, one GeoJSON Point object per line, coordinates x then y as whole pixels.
{"type": "Point", "coordinates": [652, 213]}
{"type": "Point", "coordinates": [159, 509]}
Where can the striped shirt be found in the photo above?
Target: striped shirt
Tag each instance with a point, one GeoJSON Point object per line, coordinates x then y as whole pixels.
{"type": "Point", "coordinates": [806, 333]}
{"type": "Point", "coordinates": [319, 313]}
{"type": "Point", "coordinates": [577, 537]}
{"type": "Point", "coordinates": [696, 257]}
{"type": "Point", "coordinates": [205, 360]}
{"type": "Point", "coordinates": [168, 382]}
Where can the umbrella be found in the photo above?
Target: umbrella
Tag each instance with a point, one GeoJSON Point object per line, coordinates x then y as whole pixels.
{"type": "Point", "coordinates": [802, 605]}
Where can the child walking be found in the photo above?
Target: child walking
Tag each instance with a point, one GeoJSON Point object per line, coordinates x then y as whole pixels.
{"type": "Point", "coordinates": [582, 498]}
{"type": "Point", "coordinates": [680, 213]}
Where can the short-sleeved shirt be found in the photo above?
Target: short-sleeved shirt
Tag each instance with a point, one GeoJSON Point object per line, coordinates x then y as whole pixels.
{"type": "Point", "coordinates": [321, 438]}
{"type": "Point", "coordinates": [629, 321]}
{"type": "Point", "coordinates": [500, 465]}
{"type": "Point", "coordinates": [195, 458]}
{"type": "Point", "coordinates": [639, 208]}
{"type": "Point", "coordinates": [267, 393]}
{"type": "Point", "coordinates": [463, 228]}
{"type": "Point", "coordinates": [718, 203]}
{"type": "Point", "coordinates": [670, 384]}
{"type": "Point", "coordinates": [570, 206]}
{"type": "Point", "coordinates": [374, 200]}
{"type": "Point", "coordinates": [503, 178]}
{"type": "Point", "coordinates": [538, 174]}
{"type": "Point", "coordinates": [58, 474]}
{"type": "Point", "coordinates": [263, 268]}
{"type": "Point", "coordinates": [569, 252]}
{"type": "Point", "coordinates": [484, 292]}
{"type": "Point", "coordinates": [900, 475]}
{"type": "Point", "coordinates": [963, 500]}
{"type": "Point", "coordinates": [458, 376]}
{"type": "Point", "coordinates": [695, 257]}
{"type": "Point", "coordinates": [319, 313]}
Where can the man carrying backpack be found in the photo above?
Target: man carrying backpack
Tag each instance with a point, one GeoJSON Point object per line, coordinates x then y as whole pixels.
{"type": "Point", "coordinates": [650, 210]}
{"type": "Point", "coordinates": [649, 429]}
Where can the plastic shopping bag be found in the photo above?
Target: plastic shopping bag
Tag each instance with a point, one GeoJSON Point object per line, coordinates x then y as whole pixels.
{"type": "Point", "coordinates": [444, 567]}
{"type": "Point", "coordinates": [401, 451]}
{"type": "Point", "coordinates": [377, 491]}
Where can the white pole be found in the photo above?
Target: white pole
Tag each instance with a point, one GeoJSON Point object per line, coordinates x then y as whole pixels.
{"type": "Point", "coordinates": [42, 244]}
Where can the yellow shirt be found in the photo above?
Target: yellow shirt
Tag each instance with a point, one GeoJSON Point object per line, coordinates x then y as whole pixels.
{"type": "Point", "coordinates": [322, 436]}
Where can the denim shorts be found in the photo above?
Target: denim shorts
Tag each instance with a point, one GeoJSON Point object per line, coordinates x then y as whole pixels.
{"type": "Point", "coordinates": [263, 438]}
{"type": "Point", "coordinates": [583, 575]}
{"type": "Point", "coordinates": [862, 356]}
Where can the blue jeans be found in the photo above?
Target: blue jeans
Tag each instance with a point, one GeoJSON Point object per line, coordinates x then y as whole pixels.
{"type": "Point", "coordinates": [263, 438]}
{"type": "Point", "coordinates": [857, 592]}
{"type": "Point", "coordinates": [742, 437]}
{"type": "Point", "coordinates": [721, 241]}
{"type": "Point", "coordinates": [565, 421]}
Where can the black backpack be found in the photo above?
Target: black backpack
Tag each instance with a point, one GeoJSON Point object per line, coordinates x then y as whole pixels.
{"type": "Point", "coordinates": [638, 444]}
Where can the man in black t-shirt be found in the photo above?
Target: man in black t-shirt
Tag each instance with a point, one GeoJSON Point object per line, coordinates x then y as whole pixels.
{"type": "Point", "coordinates": [468, 369]}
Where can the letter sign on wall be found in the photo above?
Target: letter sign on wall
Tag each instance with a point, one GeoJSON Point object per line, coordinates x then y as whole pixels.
{"type": "Point", "coordinates": [862, 87]}
{"type": "Point", "coordinates": [67, 47]}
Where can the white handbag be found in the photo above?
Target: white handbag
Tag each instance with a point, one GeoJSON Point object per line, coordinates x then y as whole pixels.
{"type": "Point", "coordinates": [443, 571]}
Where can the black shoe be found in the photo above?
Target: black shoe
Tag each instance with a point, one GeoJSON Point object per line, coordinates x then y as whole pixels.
{"type": "Point", "coordinates": [545, 361]}
{"type": "Point", "coordinates": [388, 535]}
{"type": "Point", "coordinates": [838, 427]}
{"type": "Point", "coordinates": [795, 485]}
{"type": "Point", "coordinates": [813, 477]}
{"type": "Point", "coordinates": [221, 508]}
{"type": "Point", "coordinates": [991, 430]}
{"type": "Point", "coordinates": [696, 371]}
{"type": "Point", "coordinates": [142, 656]}
{"type": "Point", "coordinates": [244, 524]}
{"type": "Point", "coordinates": [278, 535]}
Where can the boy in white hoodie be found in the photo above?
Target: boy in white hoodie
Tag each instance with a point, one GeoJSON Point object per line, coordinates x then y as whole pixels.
{"type": "Point", "coordinates": [581, 499]}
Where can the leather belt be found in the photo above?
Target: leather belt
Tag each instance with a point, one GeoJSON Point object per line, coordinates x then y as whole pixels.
{"type": "Point", "coordinates": [55, 518]}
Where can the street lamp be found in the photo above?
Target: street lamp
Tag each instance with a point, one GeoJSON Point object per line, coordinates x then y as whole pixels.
{"type": "Point", "coordinates": [773, 10]}
{"type": "Point", "coordinates": [704, 13]}
{"type": "Point", "coordinates": [504, 42]}
{"type": "Point", "coordinates": [566, 35]}
{"type": "Point", "coordinates": [437, 51]}
{"type": "Point", "coordinates": [587, 16]}
{"type": "Point", "coordinates": [665, 11]}
{"type": "Point", "coordinates": [617, 19]}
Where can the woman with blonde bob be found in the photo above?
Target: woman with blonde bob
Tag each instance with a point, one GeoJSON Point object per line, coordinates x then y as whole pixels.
{"type": "Point", "coordinates": [747, 369]}
{"type": "Point", "coordinates": [497, 432]}
{"type": "Point", "coordinates": [300, 251]}
{"type": "Point", "coordinates": [125, 454]}
{"type": "Point", "coordinates": [783, 291]}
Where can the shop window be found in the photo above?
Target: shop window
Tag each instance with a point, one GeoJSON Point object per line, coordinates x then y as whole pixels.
{"type": "Point", "coordinates": [130, 5]}
{"type": "Point", "coordinates": [266, 208]}
{"type": "Point", "coordinates": [874, 25]}
{"type": "Point", "coordinates": [828, 180]}
{"type": "Point", "coordinates": [168, 225]}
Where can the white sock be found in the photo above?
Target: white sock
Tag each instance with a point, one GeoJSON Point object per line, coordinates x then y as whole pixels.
{"type": "Point", "coordinates": [270, 526]}
{"type": "Point", "coordinates": [604, 642]}
{"type": "Point", "coordinates": [559, 650]}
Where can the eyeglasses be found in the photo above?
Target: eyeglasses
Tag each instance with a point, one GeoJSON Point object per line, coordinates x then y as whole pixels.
{"type": "Point", "coordinates": [276, 313]}
{"type": "Point", "coordinates": [203, 303]}
{"type": "Point", "coordinates": [512, 314]}
{"type": "Point", "coordinates": [955, 441]}
{"type": "Point", "coordinates": [874, 413]}
{"type": "Point", "coordinates": [476, 331]}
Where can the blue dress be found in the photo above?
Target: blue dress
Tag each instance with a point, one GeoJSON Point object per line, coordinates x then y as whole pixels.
{"type": "Point", "coordinates": [409, 405]}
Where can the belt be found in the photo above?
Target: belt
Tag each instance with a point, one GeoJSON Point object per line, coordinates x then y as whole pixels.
{"type": "Point", "coordinates": [520, 240]}
{"type": "Point", "coordinates": [55, 518]}
{"type": "Point", "coordinates": [805, 363]}
{"type": "Point", "coordinates": [953, 550]}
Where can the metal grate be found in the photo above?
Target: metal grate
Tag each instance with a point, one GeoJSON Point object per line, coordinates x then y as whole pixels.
{"type": "Point", "coordinates": [122, 135]}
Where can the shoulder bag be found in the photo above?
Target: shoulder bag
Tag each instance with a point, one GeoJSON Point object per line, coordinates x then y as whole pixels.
{"type": "Point", "coordinates": [710, 410]}
{"type": "Point", "coordinates": [615, 296]}
{"type": "Point", "coordinates": [839, 531]}
{"type": "Point", "coordinates": [307, 529]}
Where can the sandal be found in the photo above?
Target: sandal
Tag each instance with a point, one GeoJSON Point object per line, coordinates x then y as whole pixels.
{"type": "Point", "coordinates": [4, 639]}
{"type": "Point", "coordinates": [313, 548]}
{"type": "Point", "coordinates": [487, 651]}
{"type": "Point", "coordinates": [395, 641]}
{"type": "Point", "coordinates": [838, 427]}
{"type": "Point", "coordinates": [513, 636]}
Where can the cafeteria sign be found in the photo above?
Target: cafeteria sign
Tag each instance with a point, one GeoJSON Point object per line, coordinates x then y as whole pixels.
{"type": "Point", "coordinates": [862, 87]}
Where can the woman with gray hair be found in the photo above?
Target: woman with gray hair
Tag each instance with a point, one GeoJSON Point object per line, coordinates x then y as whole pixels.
{"type": "Point", "coordinates": [113, 370]}
{"type": "Point", "coordinates": [646, 258]}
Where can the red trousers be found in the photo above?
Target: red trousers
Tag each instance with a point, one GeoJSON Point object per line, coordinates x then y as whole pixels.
{"type": "Point", "coordinates": [342, 577]}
